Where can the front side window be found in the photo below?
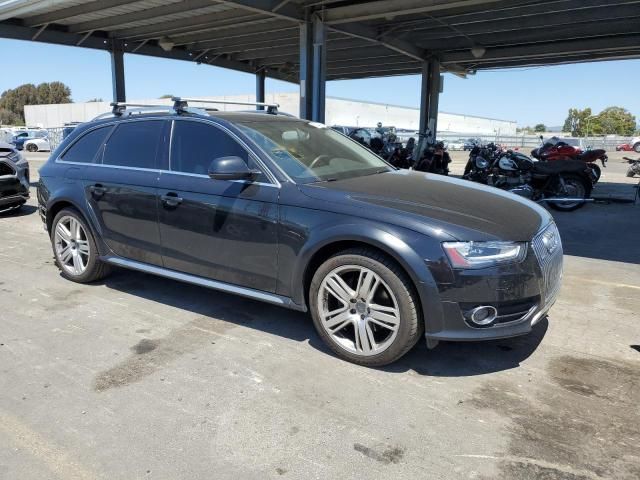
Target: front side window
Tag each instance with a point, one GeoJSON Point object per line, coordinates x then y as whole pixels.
{"type": "Point", "coordinates": [311, 152]}
{"type": "Point", "coordinates": [134, 144]}
{"type": "Point", "coordinates": [194, 145]}
{"type": "Point", "coordinates": [86, 148]}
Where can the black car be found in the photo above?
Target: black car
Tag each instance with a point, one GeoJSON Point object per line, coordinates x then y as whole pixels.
{"type": "Point", "coordinates": [14, 178]}
{"type": "Point", "coordinates": [292, 213]}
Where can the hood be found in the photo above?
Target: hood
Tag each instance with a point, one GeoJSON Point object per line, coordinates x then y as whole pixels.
{"type": "Point", "coordinates": [430, 203]}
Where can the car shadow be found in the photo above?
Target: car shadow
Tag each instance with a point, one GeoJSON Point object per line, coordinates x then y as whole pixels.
{"type": "Point", "coordinates": [449, 359]}
{"type": "Point", "coordinates": [465, 359]}
{"type": "Point", "coordinates": [21, 212]}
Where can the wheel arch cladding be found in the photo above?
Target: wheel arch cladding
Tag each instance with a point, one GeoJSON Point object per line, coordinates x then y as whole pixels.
{"type": "Point", "coordinates": [332, 240]}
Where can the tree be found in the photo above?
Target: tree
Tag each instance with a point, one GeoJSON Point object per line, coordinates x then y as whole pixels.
{"type": "Point", "coordinates": [166, 95]}
{"type": "Point", "coordinates": [14, 100]}
{"type": "Point", "coordinates": [610, 121]}
{"type": "Point", "coordinates": [540, 127]}
{"type": "Point", "coordinates": [615, 121]}
{"type": "Point", "coordinates": [576, 121]}
{"type": "Point", "coordinates": [7, 117]}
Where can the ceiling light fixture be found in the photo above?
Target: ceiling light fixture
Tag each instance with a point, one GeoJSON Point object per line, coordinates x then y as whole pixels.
{"type": "Point", "coordinates": [166, 44]}
{"type": "Point", "coordinates": [478, 52]}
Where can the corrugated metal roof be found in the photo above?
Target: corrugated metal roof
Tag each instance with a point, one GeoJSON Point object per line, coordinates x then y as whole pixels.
{"type": "Point", "coordinates": [374, 38]}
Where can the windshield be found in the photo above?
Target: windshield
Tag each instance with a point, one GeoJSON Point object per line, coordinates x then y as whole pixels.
{"type": "Point", "coordinates": [311, 152]}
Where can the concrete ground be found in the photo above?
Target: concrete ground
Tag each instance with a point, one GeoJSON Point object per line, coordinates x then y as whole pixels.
{"type": "Point", "coordinates": [139, 377]}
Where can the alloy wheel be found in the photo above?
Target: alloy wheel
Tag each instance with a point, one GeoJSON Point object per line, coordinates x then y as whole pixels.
{"type": "Point", "coordinates": [72, 245]}
{"type": "Point", "coordinates": [358, 310]}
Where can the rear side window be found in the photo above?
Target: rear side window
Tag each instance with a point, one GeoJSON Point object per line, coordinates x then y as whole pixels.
{"type": "Point", "coordinates": [134, 144]}
{"type": "Point", "coordinates": [194, 146]}
{"type": "Point", "coordinates": [86, 148]}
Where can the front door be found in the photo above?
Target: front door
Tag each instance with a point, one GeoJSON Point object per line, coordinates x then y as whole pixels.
{"type": "Point", "coordinates": [123, 189]}
{"type": "Point", "coordinates": [222, 230]}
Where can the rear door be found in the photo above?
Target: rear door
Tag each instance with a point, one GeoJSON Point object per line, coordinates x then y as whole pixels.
{"type": "Point", "coordinates": [218, 229]}
{"type": "Point", "coordinates": [121, 189]}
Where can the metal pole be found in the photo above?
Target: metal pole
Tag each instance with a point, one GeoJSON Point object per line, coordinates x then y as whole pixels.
{"type": "Point", "coordinates": [429, 96]}
{"type": "Point", "coordinates": [319, 70]}
{"type": "Point", "coordinates": [260, 79]}
{"type": "Point", "coordinates": [306, 58]}
{"type": "Point", "coordinates": [117, 71]}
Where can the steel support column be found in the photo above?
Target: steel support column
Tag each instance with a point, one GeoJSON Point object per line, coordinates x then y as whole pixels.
{"type": "Point", "coordinates": [117, 70]}
{"type": "Point", "coordinates": [429, 96]}
{"type": "Point", "coordinates": [306, 67]}
{"type": "Point", "coordinates": [319, 70]}
{"type": "Point", "coordinates": [260, 78]}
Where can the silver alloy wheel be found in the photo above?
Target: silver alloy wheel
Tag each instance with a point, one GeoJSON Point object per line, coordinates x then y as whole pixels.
{"type": "Point", "coordinates": [71, 245]}
{"type": "Point", "coordinates": [358, 310]}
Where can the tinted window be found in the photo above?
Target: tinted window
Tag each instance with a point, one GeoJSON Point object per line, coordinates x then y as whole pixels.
{"type": "Point", "coordinates": [194, 146]}
{"type": "Point", "coordinates": [85, 149]}
{"type": "Point", "coordinates": [134, 144]}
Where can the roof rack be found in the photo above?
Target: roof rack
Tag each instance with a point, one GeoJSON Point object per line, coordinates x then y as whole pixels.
{"type": "Point", "coordinates": [120, 108]}
{"type": "Point", "coordinates": [181, 103]}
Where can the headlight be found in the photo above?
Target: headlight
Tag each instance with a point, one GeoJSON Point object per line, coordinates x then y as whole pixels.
{"type": "Point", "coordinates": [481, 162]}
{"type": "Point", "coordinates": [483, 254]}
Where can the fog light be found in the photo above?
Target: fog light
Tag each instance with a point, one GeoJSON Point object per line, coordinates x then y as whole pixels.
{"type": "Point", "coordinates": [483, 316]}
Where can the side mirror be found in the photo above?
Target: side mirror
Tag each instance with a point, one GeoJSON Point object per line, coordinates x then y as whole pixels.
{"type": "Point", "coordinates": [541, 137]}
{"type": "Point", "coordinates": [230, 168]}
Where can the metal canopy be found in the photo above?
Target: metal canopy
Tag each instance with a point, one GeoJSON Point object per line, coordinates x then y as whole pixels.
{"type": "Point", "coordinates": [363, 38]}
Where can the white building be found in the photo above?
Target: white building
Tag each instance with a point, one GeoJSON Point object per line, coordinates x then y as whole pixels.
{"type": "Point", "coordinates": [339, 111]}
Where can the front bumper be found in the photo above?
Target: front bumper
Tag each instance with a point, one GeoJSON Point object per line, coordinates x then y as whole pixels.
{"type": "Point", "coordinates": [523, 294]}
{"type": "Point", "coordinates": [14, 185]}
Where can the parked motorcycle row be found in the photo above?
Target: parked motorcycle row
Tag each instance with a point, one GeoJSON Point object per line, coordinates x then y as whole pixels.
{"type": "Point", "coordinates": [557, 173]}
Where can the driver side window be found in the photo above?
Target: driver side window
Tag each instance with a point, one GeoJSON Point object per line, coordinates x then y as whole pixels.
{"type": "Point", "coordinates": [195, 144]}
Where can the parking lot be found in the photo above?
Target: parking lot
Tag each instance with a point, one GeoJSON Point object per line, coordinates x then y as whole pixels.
{"type": "Point", "coordinates": [140, 377]}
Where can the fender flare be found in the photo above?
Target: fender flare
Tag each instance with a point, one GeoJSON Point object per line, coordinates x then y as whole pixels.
{"type": "Point", "coordinates": [379, 238]}
{"type": "Point", "coordinates": [63, 196]}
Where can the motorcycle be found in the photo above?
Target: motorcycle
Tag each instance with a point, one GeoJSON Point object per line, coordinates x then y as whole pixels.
{"type": "Point", "coordinates": [555, 149]}
{"type": "Point", "coordinates": [634, 166]}
{"type": "Point", "coordinates": [435, 159]}
{"type": "Point", "coordinates": [385, 143]}
{"type": "Point", "coordinates": [565, 186]}
{"type": "Point", "coordinates": [480, 158]}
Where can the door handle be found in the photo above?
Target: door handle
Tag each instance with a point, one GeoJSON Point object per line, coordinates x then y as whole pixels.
{"type": "Point", "coordinates": [97, 190]}
{"type": "Point", "coordinates": [171, 200]}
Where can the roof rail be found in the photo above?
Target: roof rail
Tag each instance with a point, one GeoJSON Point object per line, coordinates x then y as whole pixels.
{"type": "Point", "coordinates": [181, 103]}
{"type": "Point", "coordinates": [120, 108]}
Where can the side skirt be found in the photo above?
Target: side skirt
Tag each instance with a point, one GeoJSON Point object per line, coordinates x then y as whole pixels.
{"type": "Point", "coordinates": [205, 282]}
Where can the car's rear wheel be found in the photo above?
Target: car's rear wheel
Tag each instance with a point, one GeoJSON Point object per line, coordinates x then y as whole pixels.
{"type": "Point", "coordinates": [32, 147]}
{"type": "Point", "coordinates": [365, 307]}
{"type": "Point", "coordinates": [75, 248]}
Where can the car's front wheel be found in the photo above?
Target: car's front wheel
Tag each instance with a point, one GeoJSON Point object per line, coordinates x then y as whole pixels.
{"type": "Point", "coordinates": [75, 248]}
{"type": "Point", "coordinates": [32, 147]}
{"type": "Point", "coordinates": [364, 307]}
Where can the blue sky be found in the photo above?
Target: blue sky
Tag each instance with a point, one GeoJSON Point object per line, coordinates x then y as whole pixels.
{"type": "Point", "coordinates": [529, 96]}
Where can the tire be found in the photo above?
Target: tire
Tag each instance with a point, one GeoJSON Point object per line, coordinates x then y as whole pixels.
{"type": "Point", "coordinates": [32, 147]}
{"type": "Point", "coordinates": [397, 325]}
{"type": "Point", "coordinates": [578, 182]}
{"type": "Point", "coordinates": [80, 243]}
{"type": "Point", "coordinates": [597, 172]}
{"type": "Point", "coordinates": [636, 147]}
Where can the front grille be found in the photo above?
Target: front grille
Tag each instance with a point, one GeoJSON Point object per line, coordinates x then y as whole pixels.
{"type": "Point", "coordinates": [548, 249]}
